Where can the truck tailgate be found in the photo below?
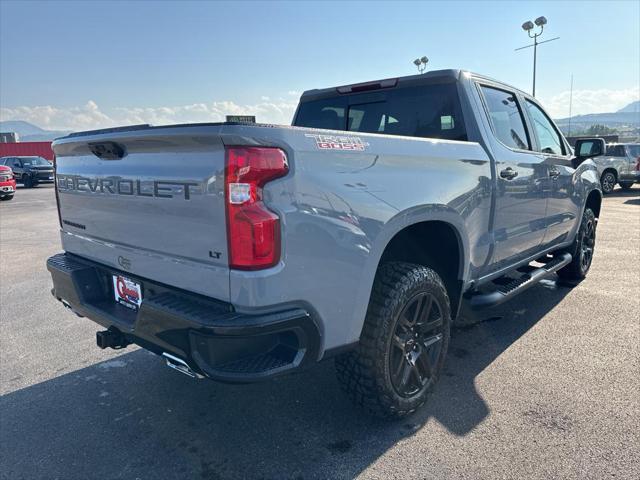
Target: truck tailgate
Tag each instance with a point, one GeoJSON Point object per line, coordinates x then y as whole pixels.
{"type": "Point", "coordinates": [148, 200]}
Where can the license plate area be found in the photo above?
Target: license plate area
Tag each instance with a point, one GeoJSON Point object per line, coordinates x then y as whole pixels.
{"type": "Point", "coordinates": [127, 292]}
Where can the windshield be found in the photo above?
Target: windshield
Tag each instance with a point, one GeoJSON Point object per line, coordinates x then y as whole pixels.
{"type": "Point", "coordinates": [431, 111]}
{"type": "Point", "coordinates": [35, 161]}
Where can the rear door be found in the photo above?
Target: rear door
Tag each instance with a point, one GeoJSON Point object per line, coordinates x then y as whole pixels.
{"type": "Point", "coordinates": [521, 179]}
{"type": "Point", "coordinates": [563, 206]}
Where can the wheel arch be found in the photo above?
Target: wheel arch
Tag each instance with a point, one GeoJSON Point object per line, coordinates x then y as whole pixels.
{"type": "Point", "coordinates": [594, 202]}
{"type": "Point", "coordinates": [422, 242]}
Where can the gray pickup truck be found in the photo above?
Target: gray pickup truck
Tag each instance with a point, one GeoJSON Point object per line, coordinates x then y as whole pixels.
{"type": "Point", "coordinates": [243, 251]}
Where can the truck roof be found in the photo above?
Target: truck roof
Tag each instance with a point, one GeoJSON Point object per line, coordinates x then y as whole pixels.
{"type": "Point", "coordinates": [434, 76]}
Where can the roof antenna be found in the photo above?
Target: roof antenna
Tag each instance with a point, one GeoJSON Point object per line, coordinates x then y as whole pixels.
{"type": "Point", "coordinates": [421, 63]}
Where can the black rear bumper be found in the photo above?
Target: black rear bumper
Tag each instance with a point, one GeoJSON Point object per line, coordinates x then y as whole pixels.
{"type": "Point", "coordinates": [207, 334]}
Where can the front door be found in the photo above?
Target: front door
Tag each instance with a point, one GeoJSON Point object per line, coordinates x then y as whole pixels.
{"type": "Point", "coordinates": [16, 166]}
{"type": "Point", "coordinates": [563, 206]}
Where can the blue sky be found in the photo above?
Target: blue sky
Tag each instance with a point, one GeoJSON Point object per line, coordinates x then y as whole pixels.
{"type": "Point", "coordinates": [89, 64]}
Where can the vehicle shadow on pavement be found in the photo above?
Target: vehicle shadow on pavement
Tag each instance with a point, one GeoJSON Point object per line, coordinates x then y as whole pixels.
{"type": "Point", "coordinates": [618, 192]}
{"type": "Point", "coordinates": [130, 417]}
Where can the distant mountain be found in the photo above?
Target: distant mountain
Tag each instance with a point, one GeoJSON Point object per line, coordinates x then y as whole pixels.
{"type": "Point", "coordinates": [633, 107]}
{"type": "Point", "coordinates": [615, 118]}
{"type": "Point", "coordinates": [29, 132]}
{"type": "Point", "coordinates": [624, 119]}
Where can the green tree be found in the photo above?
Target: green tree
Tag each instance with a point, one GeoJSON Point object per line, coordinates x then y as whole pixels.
{"type": "Point", "coordinates": [600, 130]}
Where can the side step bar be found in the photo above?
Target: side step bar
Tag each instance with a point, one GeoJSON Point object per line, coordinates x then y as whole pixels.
{"type": "Point", "coordinates": [518, 285]}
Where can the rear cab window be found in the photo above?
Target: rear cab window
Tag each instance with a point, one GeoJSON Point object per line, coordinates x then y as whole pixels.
{"type": "Point", "coordinates": [429, 111]}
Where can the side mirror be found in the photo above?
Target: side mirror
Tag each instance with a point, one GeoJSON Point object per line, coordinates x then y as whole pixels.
{"type": "Point", "coordinates": [587, 148]}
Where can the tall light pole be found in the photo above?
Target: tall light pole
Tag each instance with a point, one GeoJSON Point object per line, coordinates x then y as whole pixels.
{"type": "Point", "coordinates": [529, 27]}
{"type": "Point", "coordinates": [421, 63]}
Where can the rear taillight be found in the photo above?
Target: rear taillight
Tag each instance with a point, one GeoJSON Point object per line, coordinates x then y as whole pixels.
{"type": "Point", "coordinates": [253, 231]}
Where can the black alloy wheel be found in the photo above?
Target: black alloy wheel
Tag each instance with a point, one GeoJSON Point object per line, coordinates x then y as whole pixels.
{"type": "Point", "coordinates": [403, 343]}
{"type": "Point", "coordinates": [416, 345]}
{"type": "Point", "coordinates": [587, 244]}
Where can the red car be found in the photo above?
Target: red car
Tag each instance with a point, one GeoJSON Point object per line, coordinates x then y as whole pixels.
{"type": "Point", "coordinates": [7, 183]}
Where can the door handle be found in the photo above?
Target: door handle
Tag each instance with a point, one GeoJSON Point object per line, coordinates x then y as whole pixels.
{"type": "Point", "coordinates": [508, 173]}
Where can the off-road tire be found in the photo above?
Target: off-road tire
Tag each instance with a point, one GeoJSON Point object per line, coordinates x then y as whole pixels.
{"type": "Point", "coordinates": [626, 185]}
{"type": "Point", "coordinates": [365, 373]}
{"type": "Point", "coordinates": [585, 240]}
{"type": "Point", "coordinates": [608, 182]}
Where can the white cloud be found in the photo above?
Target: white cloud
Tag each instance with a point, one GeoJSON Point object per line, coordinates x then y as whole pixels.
{"type": "Point", "coordinates": [54, 118]}
{"type": "Point", "coordinates": [278, 111]}
{"type": "Point", "coordinates": [90, 116]}
{"type": "Point", "coordinates": [590, 101]}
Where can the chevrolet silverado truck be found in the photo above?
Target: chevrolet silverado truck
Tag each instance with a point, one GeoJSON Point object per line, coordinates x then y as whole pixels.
{"type": "Point", "coordinates": [243, 251]}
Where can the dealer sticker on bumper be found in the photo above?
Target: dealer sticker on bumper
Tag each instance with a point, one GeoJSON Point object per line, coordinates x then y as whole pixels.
{"type": "Point", "coordinates": [127, 292]}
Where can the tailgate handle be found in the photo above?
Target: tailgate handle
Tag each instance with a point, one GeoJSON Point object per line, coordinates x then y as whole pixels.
{"type": "Point", "coordinates": [107, 150]}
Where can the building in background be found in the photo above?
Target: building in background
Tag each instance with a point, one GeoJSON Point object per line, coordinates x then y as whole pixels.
{"type": "Point", "coordinates": [9, 137]}
{"type": "Point", "coordinates": [10, 146]}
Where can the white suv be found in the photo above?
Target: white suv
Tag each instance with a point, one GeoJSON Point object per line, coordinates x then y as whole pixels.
{"type": "Point", "coordinates": [620, 164]}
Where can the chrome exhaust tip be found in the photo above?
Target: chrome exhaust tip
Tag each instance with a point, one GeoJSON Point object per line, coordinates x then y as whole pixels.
{"type": "Point", "coordinates": [180, 365]}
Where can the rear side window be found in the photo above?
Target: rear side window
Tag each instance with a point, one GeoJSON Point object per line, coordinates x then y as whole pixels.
{"type": "Point", "coordinates": [431, 111]}
{"type": "Point", "coordinates": [616, 151]}
{"type": "Point", "coordinates": [548, 137]}
{"type": "Point", "coordinates": [506, 118]}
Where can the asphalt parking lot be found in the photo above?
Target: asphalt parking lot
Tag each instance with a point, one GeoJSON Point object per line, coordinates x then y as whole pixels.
{"type": "Point", "coordinates": [546, 387]}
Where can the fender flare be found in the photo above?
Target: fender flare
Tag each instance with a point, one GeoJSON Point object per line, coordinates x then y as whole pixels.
{"type": "Point", "coordinates": [400, 221]}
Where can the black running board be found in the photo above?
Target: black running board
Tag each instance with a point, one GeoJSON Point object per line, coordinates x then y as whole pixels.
{"type": "Point", "coordinates": [518, 285]}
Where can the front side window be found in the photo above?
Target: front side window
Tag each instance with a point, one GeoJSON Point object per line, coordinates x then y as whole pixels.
{"type": "Point", "coordinates": [506, 118]}
{"type": "Point", "coordinates": [548, 136]}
